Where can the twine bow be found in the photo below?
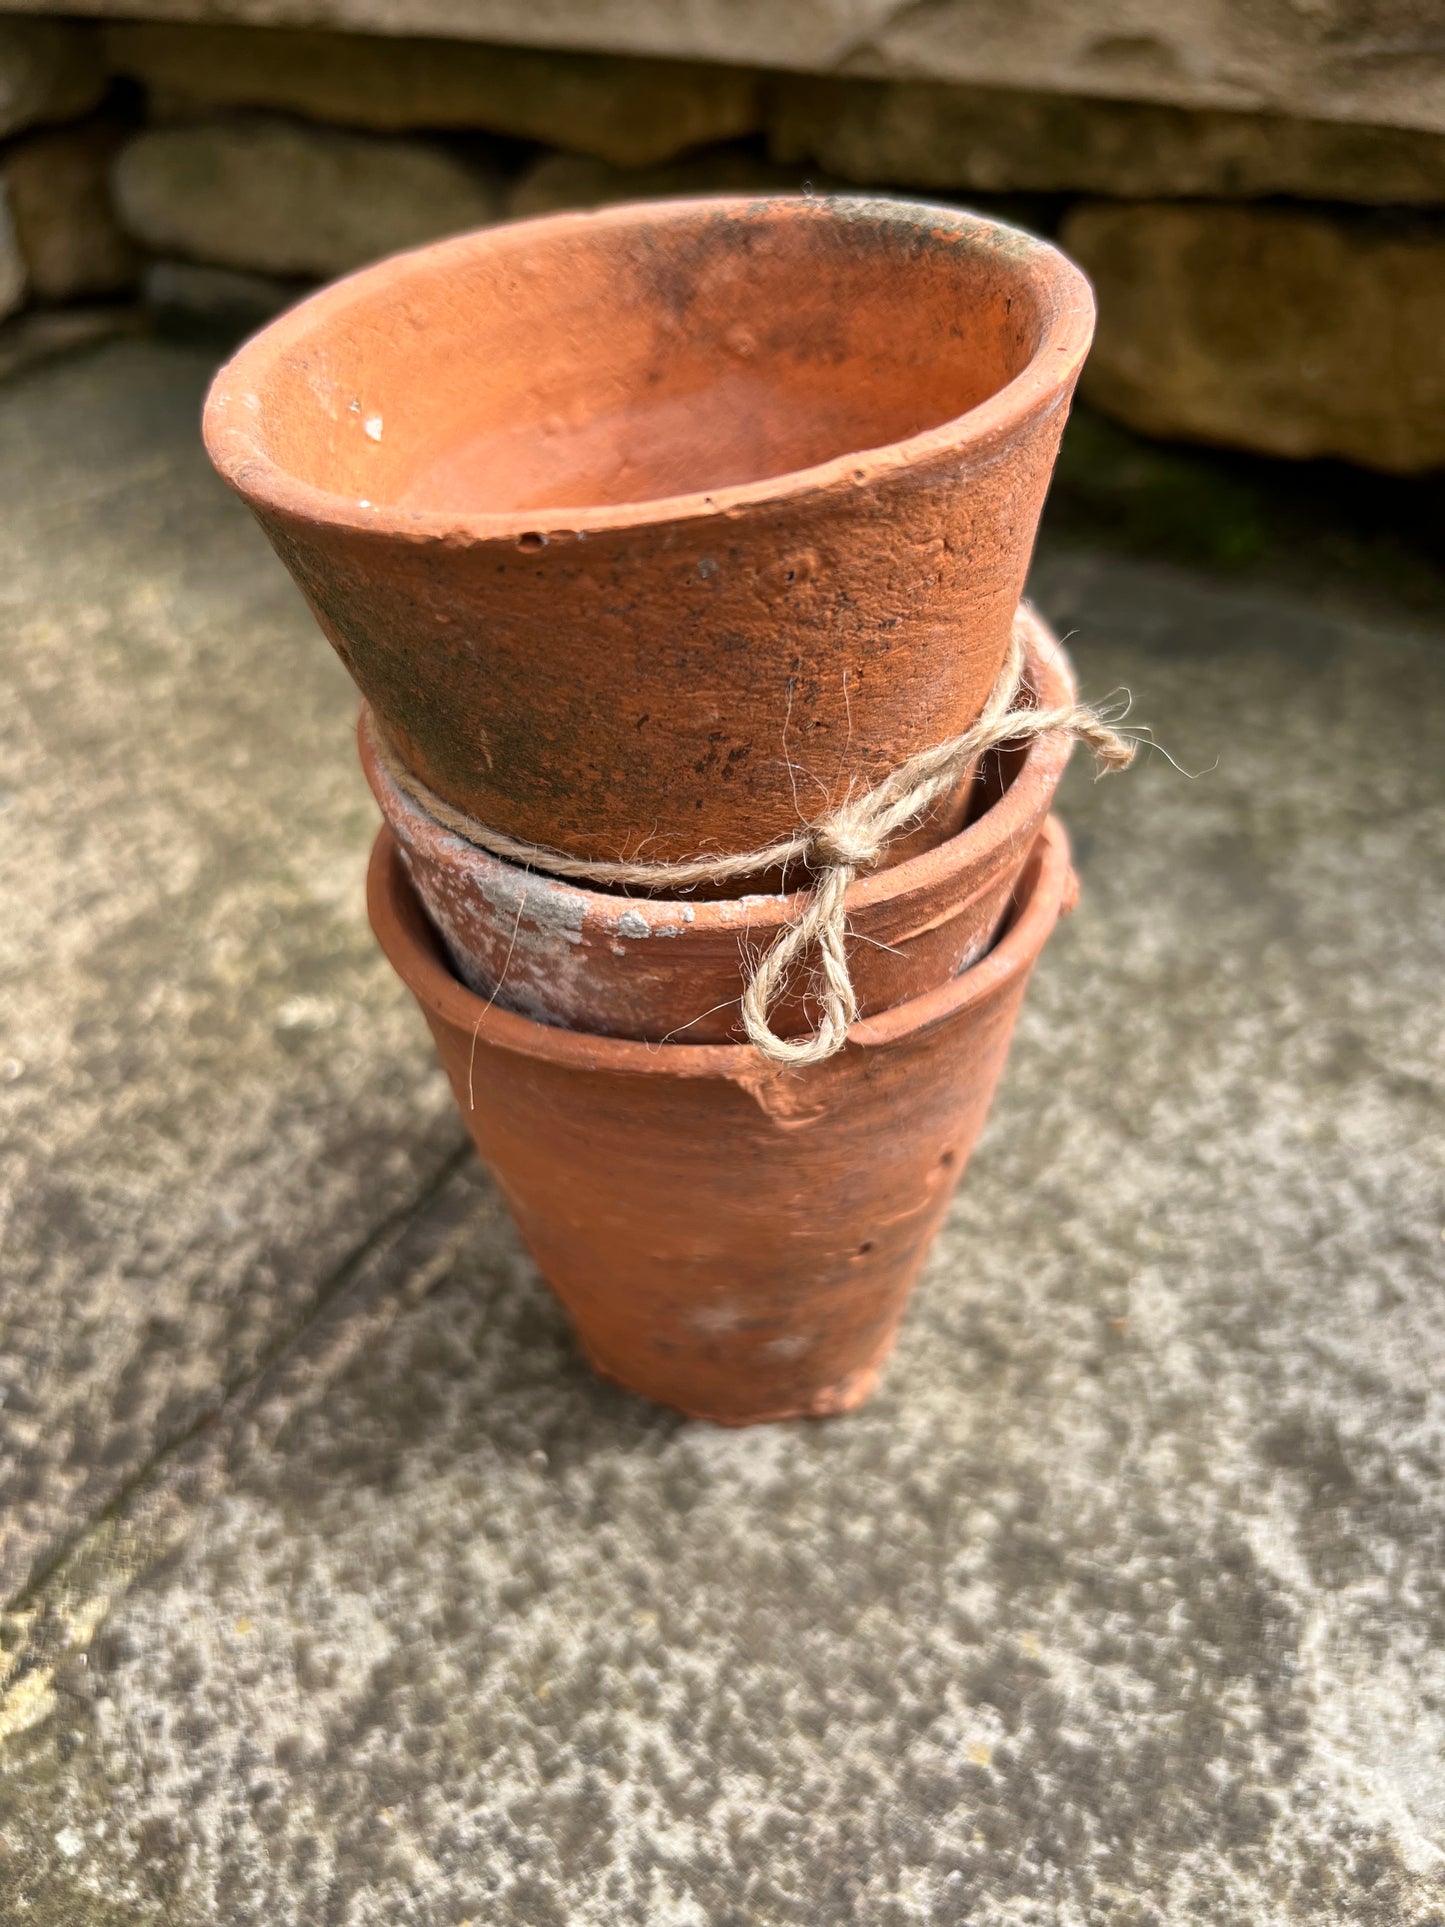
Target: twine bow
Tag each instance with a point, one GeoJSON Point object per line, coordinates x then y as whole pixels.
{"type": "Point", "coordinates": [834, 848]}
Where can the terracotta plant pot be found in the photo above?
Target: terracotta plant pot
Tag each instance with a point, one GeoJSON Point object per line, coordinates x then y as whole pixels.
{"type": "Point", "coordinates": [729, 1239]}
{"type": "Point", "coordinates": [672, 970]}
{"type": "Point", "coordinates": [658, 527]}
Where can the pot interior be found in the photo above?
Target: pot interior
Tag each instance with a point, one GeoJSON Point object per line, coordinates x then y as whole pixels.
{"type": "Point", "coordinates": [647, 353]}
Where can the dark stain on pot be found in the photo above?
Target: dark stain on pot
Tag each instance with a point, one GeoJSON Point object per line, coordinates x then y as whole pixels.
{"type": "Point", "coordinates": [710, 759]}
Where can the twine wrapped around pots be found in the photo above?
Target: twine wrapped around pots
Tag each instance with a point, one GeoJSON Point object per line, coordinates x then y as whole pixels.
{"type": "Point", "coordinates": [834, 848]}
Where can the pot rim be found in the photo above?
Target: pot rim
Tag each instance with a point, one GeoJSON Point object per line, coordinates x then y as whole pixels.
{"type": "Point", "coordinates": [1066, 311]}
{"type": "Point", "coordinates": [1046, 892]}
{"type": "Point", "coordinates": [760, 914]}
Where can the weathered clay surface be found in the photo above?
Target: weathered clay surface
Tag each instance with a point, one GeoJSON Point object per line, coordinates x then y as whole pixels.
{"type": "Point", "coordinates": [996, 140]}
{"type": "Point", "coordinates": [672, 969]}
{"type": "Point", "coordinates": [1370, 60]}
{"type": "Point", "coordinates": [634, 527]}
{"type": "Point", "coordinates": [282, 197]}
{"type": "Point", "coordinates": [1292, 332]}
{"type": "Point", "coordinates": [731, 1239]}
{"type": "Point", "coordinates": [201, 1116]}
{"type": "Point", "coordinates": [49, 70]}
{"type": "Point", "coordinates": [64, 221]}
{"type": "Point", "coordinates": [1120, 1602]}
{"type": "Point", "coordinates": [632, 113]}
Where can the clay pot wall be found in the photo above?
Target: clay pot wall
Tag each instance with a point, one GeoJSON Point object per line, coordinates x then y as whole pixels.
{"type": "Point", "coordinates": [729, 1239]}
{"type": "Point", "coordinates": [657, 526]}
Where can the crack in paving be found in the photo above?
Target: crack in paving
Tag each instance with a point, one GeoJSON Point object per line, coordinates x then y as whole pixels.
{"type": "Point", "coordinates": [340, 1310]}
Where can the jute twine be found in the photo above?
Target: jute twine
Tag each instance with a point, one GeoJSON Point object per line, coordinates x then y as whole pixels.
{"type": "Point", "coordinates": [834, 848]}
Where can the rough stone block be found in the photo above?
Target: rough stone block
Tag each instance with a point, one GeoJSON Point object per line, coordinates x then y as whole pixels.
{"type": "Point", "coordinates": [630, 112]}
{"type": "Point", "coordinates": [191, 298]}
{"type": "Point", "coordinates": [561, 181]}
{"type": "Point", "coordinates": [49, 70]}
{"type": "Point", "coordinates": [919, 134]}
{"type": "Point", "coordinates": [282, 197]}
{"type": "Point", "coordinates": [12, 261]}
{"type": "Point", "coordinates": [1288, 331]}
{"type": "Point", "coordinates": [60, 197]}
{"type": "Point", "coordinates": [1374, 61]}
{"type": "Point", "coordinates": [45, 334]}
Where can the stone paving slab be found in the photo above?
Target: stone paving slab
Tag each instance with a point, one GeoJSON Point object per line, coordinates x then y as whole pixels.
{"type": "Point", "coordinates": [1122, 1601]}
{"type": "Point", "coordinates": [206, 1099]}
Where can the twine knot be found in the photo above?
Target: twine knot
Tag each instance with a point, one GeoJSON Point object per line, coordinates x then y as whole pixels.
{"type": "Point", "coordinates": [837, 843]}
{"type": "Point", "coordinates": [835, 847]}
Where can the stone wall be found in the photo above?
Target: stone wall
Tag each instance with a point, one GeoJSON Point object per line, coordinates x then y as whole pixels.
{"type": "Point", "coordinates": [1267, 280]}
{"type": "Point", "coordinates": [1375, 61]}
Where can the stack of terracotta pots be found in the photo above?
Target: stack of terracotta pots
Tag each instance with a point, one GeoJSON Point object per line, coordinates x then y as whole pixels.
{"type": "Point", "coordinates": [657, 532]}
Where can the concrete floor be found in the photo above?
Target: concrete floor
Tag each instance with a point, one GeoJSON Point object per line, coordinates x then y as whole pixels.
{"type": "Point", "coordinates": [340, 1593]}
